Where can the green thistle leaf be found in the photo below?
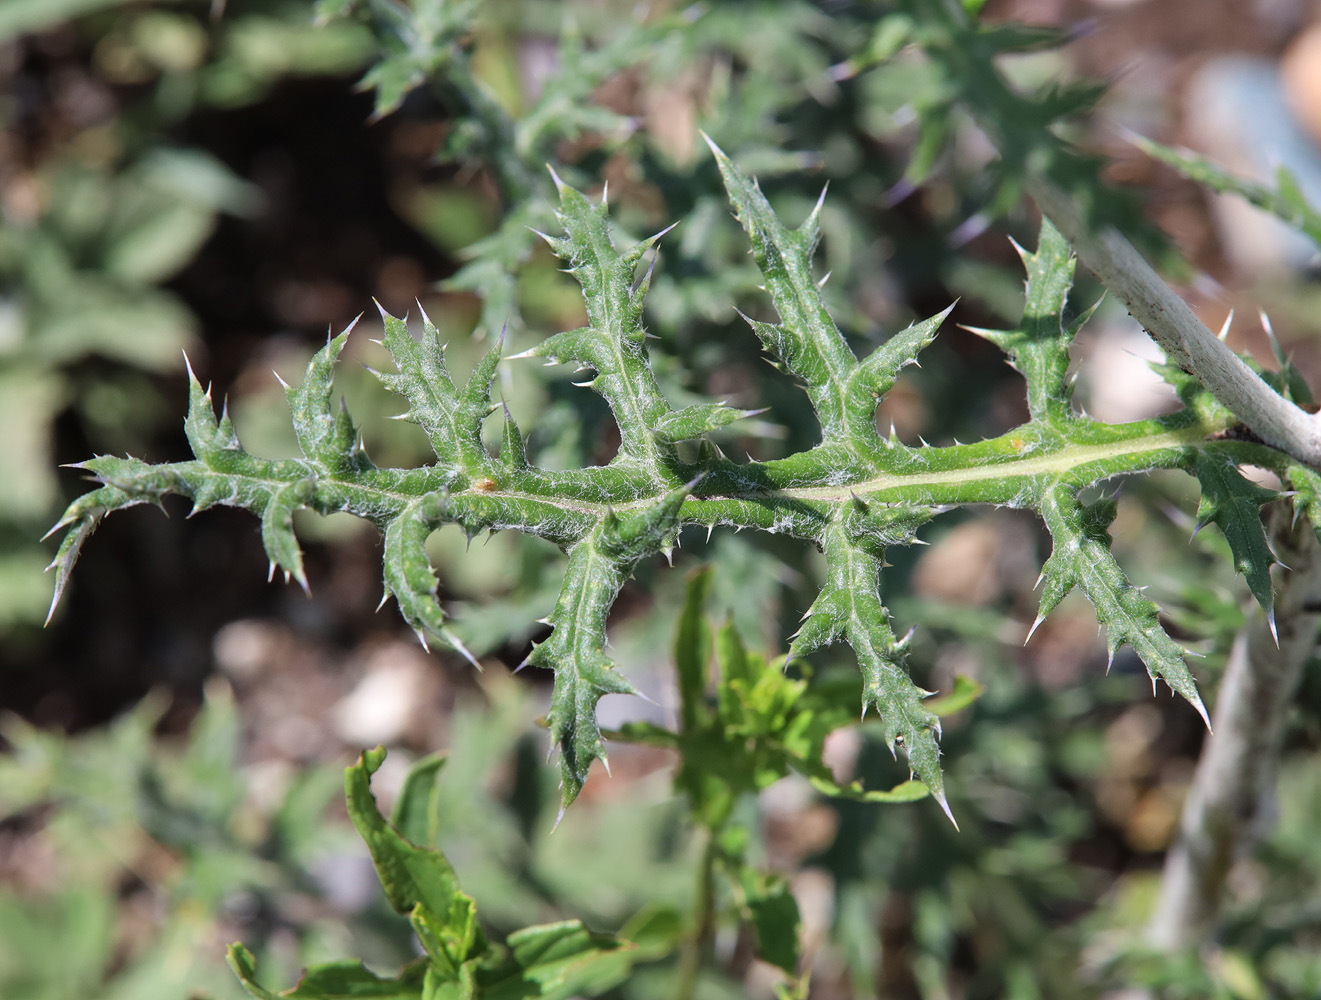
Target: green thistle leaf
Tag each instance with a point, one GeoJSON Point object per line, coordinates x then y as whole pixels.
{"type": "Point", "coordinates": [855, 494]}
{"type": "Point", "coordinates": [209, 439]}
{"type": "Point", "coordinates": [1306, 483]}
{"type": "Point", "coordinates": [1082, 558]}
{"type": "Point", "coordinates": [1233, 504]}
{"type": "Point", "coordinates": [613, 343]}
{"type": "Point", "coordinates": [849, 607]}
{"type": "Point", "coordinates": [409, 578]}
{"type": "Point", "coordinates": [277, 529]}
{"type": "Point", "coordinates": [1039, 347]}
{"type": "Point", "coordinates": [694, 421]}
{"type": "Point", "coordinates": [452, 419]}
{"type": "Point", "coordinates": [598, 567]}
{"type": "Point", "coordinates": [325, 431]}
{"type": "Point", "coordinates": [806, 340]}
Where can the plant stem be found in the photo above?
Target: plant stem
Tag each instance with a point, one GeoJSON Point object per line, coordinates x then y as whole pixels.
{"type": "Point", "coordinates": [1186, 340]}
{"type": "Point", "coordinates": [699, 942]}
{"type": "Point", "coordinates": [1235, 774]}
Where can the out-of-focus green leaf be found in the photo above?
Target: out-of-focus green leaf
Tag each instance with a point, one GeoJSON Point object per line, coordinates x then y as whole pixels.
{"type": "Point", "coordinates": [333, 981]}
{"type": "Point", "coordinates": [20, 17]}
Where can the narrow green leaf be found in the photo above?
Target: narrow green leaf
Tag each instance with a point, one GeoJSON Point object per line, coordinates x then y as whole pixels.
{"type": "Point", "coordinates": [966, 691]}
{"type": "Point", "coordinates": [417, 810]}
{"type": "Point", "coordinates": [449, 939]}
{"type": "Point", "coordinates": [806, 340]}
{"type": "Point", "coordinates": [325, 431]}
{"type": "Point", "coordinates": [409, 578]}
{"type": "Point", "coordinates": [849, 607]}
{"type": "Point", "coordinates": [876, 374]}
{"type": "Point", "coordinates": [904, 792]}
{"type": "Point", "coordinates": [692, 648]}
{"type": "Point", "coordinates": [513, 453]}
{"type": "Point", "coordinates": [332, 981]}
{"type": "Point", "coordinates": [1286, 201]}
{"type": "Point", "coordinates": [1082, 558]}
{"type": "Point", "coordinates": [207, 437]}
{"type": "Point", "coordinates": [694, 421]}
{"type": "Point", "coordinates": [80, 519]}
{"type": "Point", "coordinates": [452, 419]}
{"type": "Point", "coordinates": [1233, 504]}
{"type": "Point", "coordinates": [774, 915]}
{"type": "Point", "coordinates": [598, 567]}
{"type": "Point", "coordinates": [277, 530]}
{"type": "Point", "coordinates": [613, 344]}
{"type": "Point", "coordinates": [553, 961]}
{"type": "Point", "coordinates": [1039, 347]}
{"type": "Point", "coordinates": [1306, 483]}
{"type": "Point", "coordinates": [409, 874]}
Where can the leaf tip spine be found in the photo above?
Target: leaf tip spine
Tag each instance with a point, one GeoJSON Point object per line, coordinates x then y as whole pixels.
{"type": "Point", "coordinates": [943, 802]}
{"type": "Point", "coordinates": [560, 186]}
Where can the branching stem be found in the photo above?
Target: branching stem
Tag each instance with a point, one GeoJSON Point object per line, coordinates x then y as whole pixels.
{"type": "Point", "coordinates": [1186, 340]}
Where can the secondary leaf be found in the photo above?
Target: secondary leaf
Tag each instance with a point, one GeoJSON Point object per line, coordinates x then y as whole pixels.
{"type": "Point", "coordinates": [1082, 558]}
{"type": "Point", "coordinates": [598, 567]}
{"type": "Point", "coordinates": [806, 340]}
{"type": "Point", "coordinates": [774, 914]}
{"type": "Point", "coordinates": [1232, 503]}
{"type": "Point", "coordinates": [849, 607]}
{"type": "Point", "coordinates": [332, 981]}
{"type": "Point", "coordinates": [325, 431]}
{"type": "Point", "coordinates": [613, 342]}
{"type": "Point", "coordinates": [409, 874]}
{"type": "Point", "coordinates": [452, 419]}
{"type": "Point", "coordinates": [1039, 346]}
{"type": "Point", "coordinates": [552, 961]}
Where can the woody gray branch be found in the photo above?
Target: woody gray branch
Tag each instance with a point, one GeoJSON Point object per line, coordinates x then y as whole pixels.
{"type": "Point", "coordinates": [1235, 774]}
{"type": "Point", "coordinates": [1186, 340]}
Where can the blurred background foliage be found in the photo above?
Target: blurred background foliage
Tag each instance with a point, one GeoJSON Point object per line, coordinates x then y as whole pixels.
{"type": "Point", "coordinates": [236, 178]}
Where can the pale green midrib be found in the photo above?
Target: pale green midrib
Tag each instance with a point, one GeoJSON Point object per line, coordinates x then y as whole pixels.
{"type": "Point", "coordinates": [1054, 463]}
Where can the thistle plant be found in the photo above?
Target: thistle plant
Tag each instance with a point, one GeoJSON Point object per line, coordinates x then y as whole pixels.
{"type": "Point", "coordinates": [853, 495]}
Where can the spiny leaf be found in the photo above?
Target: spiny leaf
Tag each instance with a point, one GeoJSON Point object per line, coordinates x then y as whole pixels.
{"type": "Point", "coordinates": [277, 529]}
{"type": "Point", "coordinates": [452, 419]}
{"type": "Point", "coordinates": [598, 567]}
{"type": "Point", "coordinates": [855, 493]}
{"type": "Point", "coordinates": [613, 342]}
{"type": "Point", "coordinates": [849, 607]}
{"type": "Point", "coordinates": [1082, 558]}
{"type": "Point", "coordinates": [695, 421]}
{"type": "Point", "coordinates": [1232, 503]}
{"type": "Point", "coordinates": [1286, 200]}
{"type": "Point", "coordinates": [325, 431]}
{"type": "Point", "coordinates": [513, 452]}
{"type": "Point", "coordinates": [806, 340]}
{"type": "Point", "coordinates": [1039, 347]}
{"type": "Point", "coordinates": [1306, 483]}
{"type": "Point", "coordinates": [875, 375]}
{"type": "Point", "coordinates": [208, 438]}
{"type": "Point", "coordinates": [417, 46]}
{"type": "Point", "coordinates": [409, 578]}
{"type": "Point", "coordinates": [80, 519]}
